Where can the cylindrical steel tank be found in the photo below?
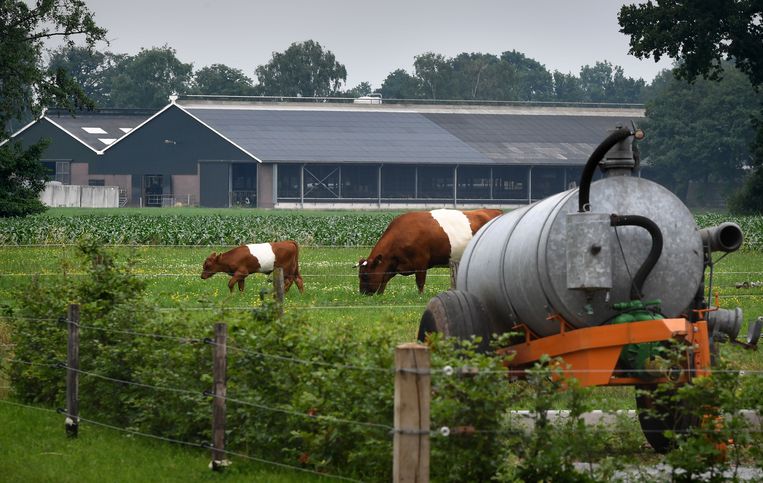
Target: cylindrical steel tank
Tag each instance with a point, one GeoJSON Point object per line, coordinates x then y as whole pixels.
{"type": "Point", "coordinates": [517, 264]}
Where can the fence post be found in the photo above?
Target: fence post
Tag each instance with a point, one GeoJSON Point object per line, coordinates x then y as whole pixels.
{"type": "Point", "coordinates": [278, 287]}
{"type": "Point", "coordinates": [410, 462]}
{"type": "Point", "coordinates": [219, 367]}
{"type": "Point", "coordinates": [453, 274]}
{"type": "Point", "coordinates": [72, 374]}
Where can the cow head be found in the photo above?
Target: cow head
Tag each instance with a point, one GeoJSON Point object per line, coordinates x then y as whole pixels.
{"type": "Point", "coordinates": [374, 273]}
{"type": "Point", "coordinates": [211, 266]}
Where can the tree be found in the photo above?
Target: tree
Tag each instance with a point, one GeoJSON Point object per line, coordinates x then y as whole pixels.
{"type": "Point", "coordinates": [473, 76]}
{"type": "Point", "coordinates": [605, 82]}
{"type": "Point", "coordinates": [362, 89]}
{"type": "Point", "coordinates": [700, 131]}
{"type": "Point", "coordinates": [223, 80]}
{"type": "Point", "coordinates": [433, 72]}
{"type": "Point", "coordinates": [533, 82]}
{"type": "Point", "coordinates": [399, 84]}
{"type": "Point", "coordinates": [700, 34]}
{"type": "Point", "coordinates": [148, 78]}
{"type": "Point", "coordinates": [26, 88]}
{"type": "Point", "coordinates": [568, 88]}
{"type": "Point", "coordinates": [91, 69]}
{"type": "Point", "coordinates": [304, 69]}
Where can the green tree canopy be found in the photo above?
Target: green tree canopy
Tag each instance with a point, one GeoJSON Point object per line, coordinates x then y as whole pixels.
{"type": "Point", "coordinates": [223, 80]}
{"type": "Point", "coordinates": [699, 35]}
{"type": "Point", "coordinates": [533, 82]}
{"type": "Point", "coordinates": [91, 69]}
{"type": "Point", "coordinates": [700, 131]}
{"type": "Point", "coordinates": [399, 84]}
{"type": "Point", "coordinates": [605, 82]}
{"type": "Point", "coordinates": [568, 87]}
{"type": "Point", "coordinates": [147, 79]}
{"type": "Point", "coordinates": [26, 87]}
{"type": "Point", "coordinates": [362, 89]}
{"type": "Point", "coordinates": [433, 72]}
{"type": "Point", "coordinates": [304, 69]}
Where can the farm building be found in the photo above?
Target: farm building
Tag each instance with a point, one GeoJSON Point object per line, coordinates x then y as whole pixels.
{"type": "Point", "coordinates": [257, 152]}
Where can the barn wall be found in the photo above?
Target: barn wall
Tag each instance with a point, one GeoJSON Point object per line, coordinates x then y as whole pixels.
{"type": "Point", "coordinates": [265, 198]}
{"type": "Point", "coordinates": [186, 189]}
{"type": "Point", "coordinates": [214, 184]}
{"type": "Point", "coordinates": [171, 143]}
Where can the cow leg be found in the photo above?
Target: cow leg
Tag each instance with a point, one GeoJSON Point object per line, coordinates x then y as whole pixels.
{"type": "Point", "coordinates": [287, 283]}
{"type": "Point", "coordinates": [421, 278]}
{"type": "Point", "coordinates": [300, 283]}
{"type": "Point", "coordinates": [237, 278]}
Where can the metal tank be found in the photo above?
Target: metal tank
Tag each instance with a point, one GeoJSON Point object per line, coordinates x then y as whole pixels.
{"type": "Point", "coordinates": [565, 257]}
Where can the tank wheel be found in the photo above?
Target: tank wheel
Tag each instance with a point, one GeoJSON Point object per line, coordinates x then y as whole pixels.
{"type": "Point", "coordinates": [457, 314]}
{"type": "Point", "coordinates": [657, 414]}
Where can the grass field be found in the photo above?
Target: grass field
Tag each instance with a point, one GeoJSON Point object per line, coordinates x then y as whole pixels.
{"type": "Point", "coordinates": [331, 299]}
{"type": "Point", "coordinates": [33, 447]}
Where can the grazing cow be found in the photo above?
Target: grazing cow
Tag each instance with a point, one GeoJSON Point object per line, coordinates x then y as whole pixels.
{"type": "Point", "coordinates": [256, 258]}
{"type": "Point", "coordinates": [419, 240]}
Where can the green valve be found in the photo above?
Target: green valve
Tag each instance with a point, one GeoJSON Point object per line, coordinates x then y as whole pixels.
{"type": "Point", "coordinates": [636, 357]}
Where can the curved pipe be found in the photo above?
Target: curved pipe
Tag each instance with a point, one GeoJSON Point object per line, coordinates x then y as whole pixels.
{"type": "Point", "coordinates": [590, 167]}
{"type": "Point", "coordinates": [654, 252]}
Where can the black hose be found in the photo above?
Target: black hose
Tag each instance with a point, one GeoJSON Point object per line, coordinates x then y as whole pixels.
{"type": "Point", "coordinates": [654, 252]}
{"type": "Point", "coordinates": [590, 167]}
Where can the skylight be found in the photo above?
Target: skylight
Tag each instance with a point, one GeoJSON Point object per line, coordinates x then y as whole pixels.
{"type": "Point", "coordinates": [125, 129]}
{"type": "Point", "coordinates": [106, 140]}
{"type": "Point", "coordinates": [94, 130]}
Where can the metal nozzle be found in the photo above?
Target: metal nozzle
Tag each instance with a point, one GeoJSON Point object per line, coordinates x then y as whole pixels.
{"type": "Point", "coordinates": [726, 237]}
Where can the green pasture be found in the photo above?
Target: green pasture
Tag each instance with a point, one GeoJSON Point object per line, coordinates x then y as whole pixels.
{"type": "Point", "coordinates": [331, 296]}
{"type": "Point", "coordinates": [33, 447]}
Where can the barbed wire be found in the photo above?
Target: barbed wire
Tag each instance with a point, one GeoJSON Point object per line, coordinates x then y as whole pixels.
{"type": "Point", "coordinates": [301, 361]}
{"type": "Point", "coordinates": [133, 383]}
{"type": "Point", "coordinates": [292, 412]}
{"type": "Point", "coordinates": [13, 403]}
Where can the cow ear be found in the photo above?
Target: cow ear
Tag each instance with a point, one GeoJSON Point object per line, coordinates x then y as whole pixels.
{"type": "Point", "coordinates": [377, 260]}
{"type": "Point", "coordinates": [217, 257]}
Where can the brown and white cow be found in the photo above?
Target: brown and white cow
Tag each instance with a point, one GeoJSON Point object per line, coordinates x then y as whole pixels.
{"type": "Point", "coordinates": [419, 240]}
{"type": "Point", "coordinates": [256, 258]}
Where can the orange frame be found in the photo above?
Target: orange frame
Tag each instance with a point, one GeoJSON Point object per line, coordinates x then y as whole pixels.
{"type": "Point", "coordinates": [590, 354]}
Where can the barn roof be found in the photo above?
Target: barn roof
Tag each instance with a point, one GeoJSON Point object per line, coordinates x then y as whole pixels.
{"type": "Point", "coordinates": [332, 133]}
{"type": "Point", "coordinates": [96, 130]}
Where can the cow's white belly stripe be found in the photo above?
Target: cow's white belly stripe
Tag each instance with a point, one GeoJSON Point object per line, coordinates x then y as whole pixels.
{"type": "Point", "coordinates": [265, 255]}
{"type": "Point", "coordinates": [456, 226]}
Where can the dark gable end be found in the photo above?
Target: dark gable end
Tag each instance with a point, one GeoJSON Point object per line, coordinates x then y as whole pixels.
{"type": "Point", "coordinates": [173, 142]}
{"type": "Point", "coordinates": [62, 145]}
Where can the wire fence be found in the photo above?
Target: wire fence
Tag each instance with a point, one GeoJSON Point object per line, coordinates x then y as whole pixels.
{"type": "Point", "coordinates": [442, 428]}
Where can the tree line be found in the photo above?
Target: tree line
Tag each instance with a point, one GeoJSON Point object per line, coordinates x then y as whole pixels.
{"type": "Point", "coordinates": [306, 69]}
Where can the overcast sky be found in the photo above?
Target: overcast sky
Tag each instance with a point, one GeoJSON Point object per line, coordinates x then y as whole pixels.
{"type": "Point", "coordinates": [373, 39]}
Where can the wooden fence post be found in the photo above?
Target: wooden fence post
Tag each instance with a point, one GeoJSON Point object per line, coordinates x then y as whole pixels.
{"type": "Point", "coordinates": [410, 462]}
{"type": "Point", "coordinates": [219, 367]}
{"type": "Point", "coordinates": [278, 287]}
{"type": "Point", "coordinates": [72, 374]}
{"type": "Point", "coordinates": [453, 274]}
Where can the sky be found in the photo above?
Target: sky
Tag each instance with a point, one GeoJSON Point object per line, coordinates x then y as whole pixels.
{"type": "Point", "coordinates": [373, 39]}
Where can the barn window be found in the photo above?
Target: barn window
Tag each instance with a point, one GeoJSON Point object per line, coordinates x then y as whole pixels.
{"type": "Point", "coordinates": [473, 182]}
{"type": "Point", "coordinates": [510, 183]}
{"type": "Point", "coordinates": [322, 181]}
{"type": "Point", "coordinates": [435, 182]}
{"type": "Point", "coordinates": [360, 182]}
{"type": "Point", "coordinates": [58, 171]}
{"type": "Point", "coordinates": [288, 181]}
{"type": "Point", "coordinates": [398, 181]}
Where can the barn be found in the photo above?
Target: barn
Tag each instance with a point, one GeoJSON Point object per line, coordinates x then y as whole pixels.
{"type": "Point", "coordinates": [327, 153]}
